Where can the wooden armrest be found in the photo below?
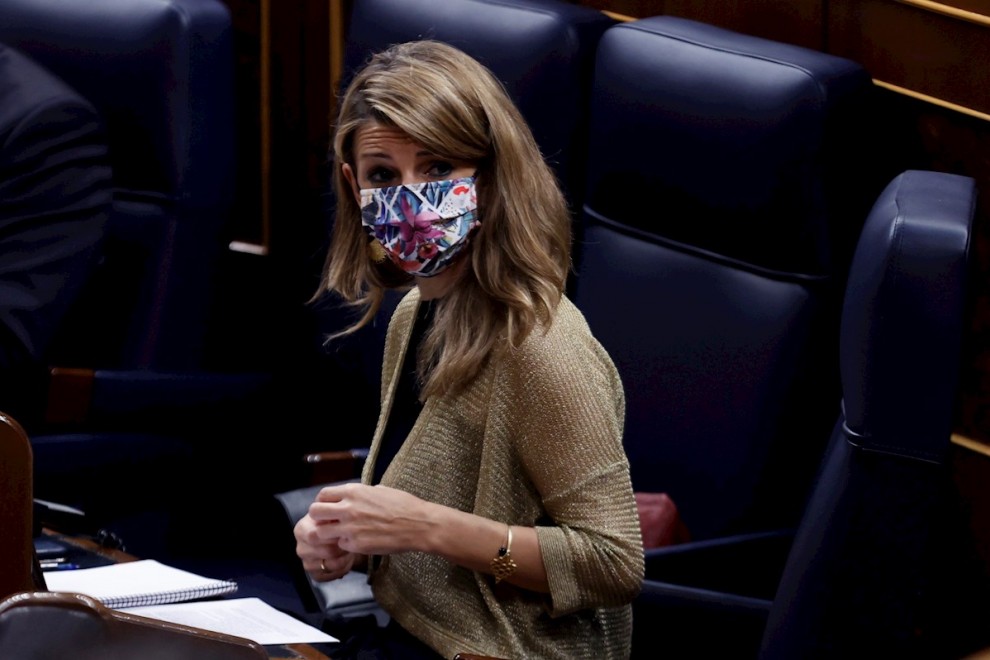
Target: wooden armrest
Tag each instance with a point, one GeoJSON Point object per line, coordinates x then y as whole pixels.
{"type": "Point", "coordinates": [16, 508]}
{"type": "Point", "coordinates": [70, 395]}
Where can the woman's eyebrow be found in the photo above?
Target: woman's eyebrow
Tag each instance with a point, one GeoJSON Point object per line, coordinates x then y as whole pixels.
{"type": "Point", "coordinates": [376, 154]}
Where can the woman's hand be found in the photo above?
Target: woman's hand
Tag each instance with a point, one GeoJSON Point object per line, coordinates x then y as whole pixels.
{"type": "Point", "coordinates": [368, 520]}
{"type": "Point", "coordinates": [325, 561]}
{"type": "Point", "coordinates": [348, 522]}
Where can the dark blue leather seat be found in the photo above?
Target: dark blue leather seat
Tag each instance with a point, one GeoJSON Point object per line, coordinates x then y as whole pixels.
{"type": "Point", "coordinates": [726, 185]}
{"type": "Point", "coordinates": [870, 570]}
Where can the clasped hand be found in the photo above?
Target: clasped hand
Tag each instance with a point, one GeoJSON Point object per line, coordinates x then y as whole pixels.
{"type": "Point", "coordinates": [347, 522]}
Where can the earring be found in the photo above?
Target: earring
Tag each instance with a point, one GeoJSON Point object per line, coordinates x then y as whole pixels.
{"type": "Point", "coordinates": [376, 252]}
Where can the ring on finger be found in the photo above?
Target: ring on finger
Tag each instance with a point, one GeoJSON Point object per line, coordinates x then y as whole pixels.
{"type": "Point", "coordinates": [323, 566]}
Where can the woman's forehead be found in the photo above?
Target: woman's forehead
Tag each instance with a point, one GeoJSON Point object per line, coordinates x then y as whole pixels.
{"type": "Point", "coordinates": [374, 137]}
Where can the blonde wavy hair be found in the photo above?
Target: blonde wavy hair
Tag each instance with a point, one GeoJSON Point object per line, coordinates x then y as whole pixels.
{"type": "Point", "coordinates": [519, 255]}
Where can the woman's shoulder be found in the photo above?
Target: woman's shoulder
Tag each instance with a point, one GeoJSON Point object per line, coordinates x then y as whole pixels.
{"type": "Point", "coordinates": [564, 339]}
{"type": "Point", "coordinates": [566, 324]}
{"type": "Point", "coordinates": [559, 363]}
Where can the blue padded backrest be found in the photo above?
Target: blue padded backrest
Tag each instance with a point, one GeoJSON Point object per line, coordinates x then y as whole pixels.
{"type": "Point", "coordinates": [856, 574]}
{"type": "Point", "coordinates": [161, 75]}
{"type": "Point", "coordinates": [736, 141]}
{"type": "Point", "coordinates": [722, 195]}
{"type": "Point", "coordinates": [541, 50]}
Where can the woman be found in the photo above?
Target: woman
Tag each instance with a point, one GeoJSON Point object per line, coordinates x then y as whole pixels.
{"type": "Point", "coordinates": [495, 514]}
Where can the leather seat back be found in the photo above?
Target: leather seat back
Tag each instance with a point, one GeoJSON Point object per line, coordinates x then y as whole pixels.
{"type": "Point", "coordinates": [723, 195]}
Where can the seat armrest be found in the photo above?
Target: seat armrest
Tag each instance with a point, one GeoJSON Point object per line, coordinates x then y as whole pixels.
{"type": "Point", "coordinates": [331, 466]}
{"type": "Point", "coordinates": [723, 584]}
{"type": "Point", "coordinates": [680, 596]}
{"type": "Point", "coordinates": [747, 565]}
{"type": "Point", "coordinates": [711, 623]}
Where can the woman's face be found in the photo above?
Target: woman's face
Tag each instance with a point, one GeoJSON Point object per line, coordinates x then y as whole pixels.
{"type": "Point", "coordinates": [426, 242]}
{"type": "Point", "coordinates": [385, 156]}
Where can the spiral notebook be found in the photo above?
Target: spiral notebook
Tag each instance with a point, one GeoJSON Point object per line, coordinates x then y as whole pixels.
{"type": "Point", "coordinates": [138, 583]}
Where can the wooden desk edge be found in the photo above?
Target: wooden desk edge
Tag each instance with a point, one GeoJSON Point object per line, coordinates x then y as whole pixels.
{"type": "Point", "coordinates": [301, 651]}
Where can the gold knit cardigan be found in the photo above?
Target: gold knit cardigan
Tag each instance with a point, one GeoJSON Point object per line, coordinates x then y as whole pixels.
{"type": "Point", "coordinates": [534, 440]}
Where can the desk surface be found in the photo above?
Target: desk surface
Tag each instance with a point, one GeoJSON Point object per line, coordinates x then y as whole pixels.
{"type": "Point", "coordinates": [279, 652]}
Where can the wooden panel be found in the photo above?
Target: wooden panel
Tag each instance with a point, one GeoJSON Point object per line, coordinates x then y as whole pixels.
{"type": "Point", "coordinates": [970, 468]}
{"type": "Point", "coordinates": [790, 21]}
{"type": "Point", "coordinates": [247, 56]}
{"type": "Point", "coordinates": [978, 6]}
{"type": "Point", "coordinates": [285, 96]}
{"type": "Point", "coordinates": [300, 100]}
{"type": "Point", "coordinates": [905, 44]}
{"type": "Point", "coordinates": [283, 55]}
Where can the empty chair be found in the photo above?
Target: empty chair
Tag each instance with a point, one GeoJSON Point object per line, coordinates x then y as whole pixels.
{"type": "Point", "coordinates": [723, 195]}
{"type": "Point", "coordinates": [861, 578]}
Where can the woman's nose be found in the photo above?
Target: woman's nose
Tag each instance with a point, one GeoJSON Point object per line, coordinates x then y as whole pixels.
{"type": "Point", "coordinates": [410, 178]}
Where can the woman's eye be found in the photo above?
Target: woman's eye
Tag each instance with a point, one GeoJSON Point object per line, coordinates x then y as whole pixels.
{"type": "Point", "coordinates": [440, 169]}
{"type": "Point", "coordinates": [380, 176]}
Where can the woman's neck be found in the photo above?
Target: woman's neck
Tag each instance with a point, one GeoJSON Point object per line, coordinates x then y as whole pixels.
{"type": "Point", "coordinates": [431, 288]}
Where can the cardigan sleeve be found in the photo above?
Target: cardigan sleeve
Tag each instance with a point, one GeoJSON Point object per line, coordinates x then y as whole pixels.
{"type": "Point", "coordinates": [567, 416]}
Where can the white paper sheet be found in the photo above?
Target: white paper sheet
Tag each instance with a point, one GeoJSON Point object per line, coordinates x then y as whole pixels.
{"type": "Point", "coordinates": [250, 618]}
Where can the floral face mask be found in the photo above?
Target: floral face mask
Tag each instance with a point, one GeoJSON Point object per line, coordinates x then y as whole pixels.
{"type": "Point", "coordinates": [422, 226]}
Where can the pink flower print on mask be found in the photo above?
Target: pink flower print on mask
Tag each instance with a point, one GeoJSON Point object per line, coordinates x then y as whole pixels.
{"type": "Point", "coordinates": [416, 228]}
{"type": "Point", "coordinates": [424, 225]}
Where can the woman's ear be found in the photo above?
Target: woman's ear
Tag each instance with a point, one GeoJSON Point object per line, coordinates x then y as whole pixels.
{"type": "Point", "coordinates": [352, 179]}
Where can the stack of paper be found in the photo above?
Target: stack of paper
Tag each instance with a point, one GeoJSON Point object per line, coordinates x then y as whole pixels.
{"type": "Point", "coordinates": [131, 584]}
